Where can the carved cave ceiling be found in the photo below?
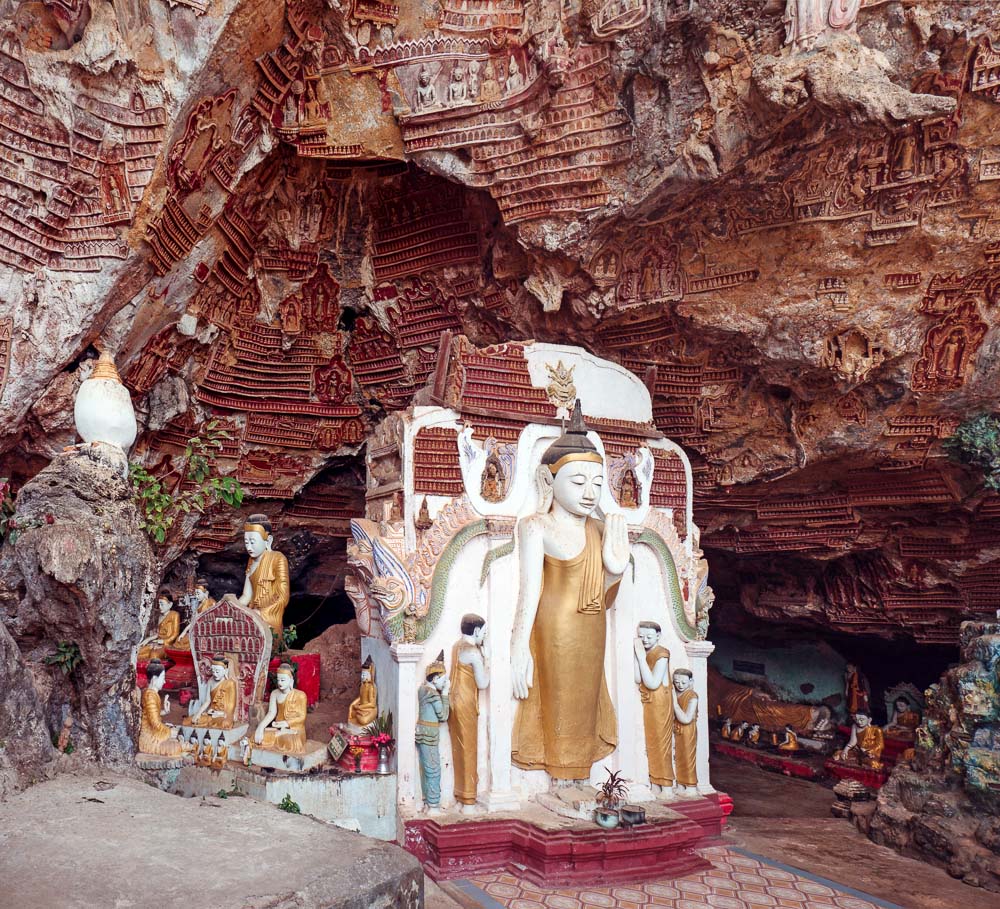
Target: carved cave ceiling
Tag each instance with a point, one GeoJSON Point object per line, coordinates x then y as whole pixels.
{"type": "Point", "coordinates": [273, 211]}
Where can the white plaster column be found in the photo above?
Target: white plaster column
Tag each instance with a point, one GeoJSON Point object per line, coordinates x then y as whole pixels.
{"type": "Point", "coordinates": [698, 652]}
{"type": "Point", "coordinates": [406, 657]}
{"type": "Point", "coordinates": [501, 581]}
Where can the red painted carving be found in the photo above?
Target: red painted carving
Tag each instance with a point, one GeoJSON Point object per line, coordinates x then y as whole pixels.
{"type": "Point", "coordinates": [985, 77]}
{"type": "Point", "coordinates": [236, 632]}
{"type": "Point", "coordinates": [208, 130]}
{"type": "Point", "coordinates": [949, 346]}
{"type": "Point", "coordinates": [6, 334]}
{"type": "Point", "coordinates": [436, 470]}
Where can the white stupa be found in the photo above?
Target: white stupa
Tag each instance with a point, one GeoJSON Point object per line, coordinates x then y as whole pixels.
{"type": "Point", "coordinates": [103, 410]}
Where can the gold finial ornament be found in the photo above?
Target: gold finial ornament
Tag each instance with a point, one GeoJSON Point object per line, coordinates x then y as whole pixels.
{"type": "Point", "coordinates": [105, 368]}
{"type": "Point", "coordinates": [561, 391]}
{"type": "Point", "coordinates": [437, 667]}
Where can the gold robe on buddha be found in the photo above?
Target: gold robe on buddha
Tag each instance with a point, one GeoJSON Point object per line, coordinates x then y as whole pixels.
{"type": "Point", "coordinates": [686, 743]}
{"type": "Point", "coordinates": [658, 720]}
{"type": "Point", "coordinates": [270, 588]}
{"type": "Point", "coordinates": [744, 704]}
{"type": "Point", "coordinates": [293, 711]}
{"type": "Point", "coordinates": [223, 698]}
{"type": "Point", "coordinates": [871, 743]}
{"type": "Point", "coordinates": [463, 725]}
{"type": "Point", "coordinates": [364, 708]}
{"type": "Point", "coordinates": [155, 736]}
{"type": "Point", "coordinates": [567, 722]}
{"type": "Point", "coordinates": [167, 631]}
{"type": "Point", "coordinates": [791, 742]}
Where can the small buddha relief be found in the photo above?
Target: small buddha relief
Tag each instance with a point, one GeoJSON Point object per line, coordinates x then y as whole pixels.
{"type": "Point", "coordinates": [493, 487]}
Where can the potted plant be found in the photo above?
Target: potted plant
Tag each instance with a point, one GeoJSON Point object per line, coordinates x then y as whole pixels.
{"type": "Point", "coordinates": [381, 734]}
{"type": "Point", "coordinates": [610, 796]}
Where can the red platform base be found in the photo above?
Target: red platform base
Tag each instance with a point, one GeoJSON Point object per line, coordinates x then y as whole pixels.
{"type": "Point", "coordinates": [873, 779]}
{"type": "Point", "coordinates": [581, 855]}
{"type": "Point", "coordinates": [780, 763]}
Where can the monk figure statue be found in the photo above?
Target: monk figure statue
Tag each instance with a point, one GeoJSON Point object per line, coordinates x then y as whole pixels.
{"type": "Point", "coordinates": [266, 588]}
{"type": "Point", "coordinates": [284, 725]}
{"type": "Point", "coordinates": [469, 676]}
{"type": "Point", "coordinates": [652, 675]}
{"type": "Point", "coordinates": [167, 631]}
{"type": "Point", "coordinates": [364, 708]}
{"type": "Point", "coordinates": [686, 733]}
{"type": "Point", "coordinates": [570, 568]}
{"type": "Point", "coordinates": [217, 707]}
{"type": "Point", "coordinates": [155, 736]}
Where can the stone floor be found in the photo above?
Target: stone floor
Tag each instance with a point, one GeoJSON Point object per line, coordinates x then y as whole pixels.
{"type": "Point", "coordinates": [782, 849]}
{"type": "Point", "coordinates": [82, 841]}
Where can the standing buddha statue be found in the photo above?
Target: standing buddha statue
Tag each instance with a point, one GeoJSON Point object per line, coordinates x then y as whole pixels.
{"type": "Point", "coordinates": [570, 568]}
{"type": "Point", "coordinates": [266, 587]}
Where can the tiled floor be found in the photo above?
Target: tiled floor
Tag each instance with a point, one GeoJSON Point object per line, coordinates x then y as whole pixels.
{"type": "Point", "coordinates": [738, 880]}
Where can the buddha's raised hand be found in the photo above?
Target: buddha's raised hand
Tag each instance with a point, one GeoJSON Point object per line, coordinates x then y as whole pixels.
{"type": "Point", "coordinates": [616, 546]}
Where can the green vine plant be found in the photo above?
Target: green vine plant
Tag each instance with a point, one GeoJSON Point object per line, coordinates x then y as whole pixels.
{"type": "Point", "coordinates": [193, 486]}
{"type": "Point", "coordinates": [976, 442]}
{"type": "Point", "coordinates": [67, 657]}
{"type": "Point", "coordinates": [6, 508]}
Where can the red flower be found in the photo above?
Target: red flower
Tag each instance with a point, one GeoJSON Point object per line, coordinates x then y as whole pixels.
{"type": "Point", "coordinates": [50, 519]}
{"type": "Point", "coordinates": [12, 524]}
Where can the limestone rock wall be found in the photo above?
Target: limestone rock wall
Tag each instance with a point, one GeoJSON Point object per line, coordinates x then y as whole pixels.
{"type": "Point", "coordinates": [80, 574]}
{"type": "Point", "coordinates": [944, 804]}
{"type": "Point", "coordinates": [273, 212]}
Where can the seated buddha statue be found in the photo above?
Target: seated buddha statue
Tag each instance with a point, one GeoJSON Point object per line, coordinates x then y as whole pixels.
{"type": "Point", "coordinates": [216, 710]}
{"type": "Point", "coordinates": [904, 720]}
{"type": "Point", "coordinates": [864, 748]}
{"type": "Point", "coordinates": [155, 736]}
{"type": "Point", "coordinates": [753, 736]}
{"type": "Point", "coordinates": [790, 741]}
{"type": "Point", "coordinates": [364, 708]}
{"type": "Point", "coordinates": [200, 602]}
{"type": "Point", "coordinates": [167, 630]}
{"type": "Point", "coordinates": [727, 728]}
{"type": "Point", "coordinates": [284, 725]}
{"type": "Point", "coordinates": [266, 589]}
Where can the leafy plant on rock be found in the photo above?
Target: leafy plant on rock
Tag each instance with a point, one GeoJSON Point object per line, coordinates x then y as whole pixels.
{"type": "Point", "coordinates": [6, 507]}
{"type": "Point", "coordinates": [976, 442]}
{"type": "Point", "coordinates": [193, 486]}
{"type": "Point", "coordinates": [287, 804]}
{"type": "Point", "coordinates": [67, 657]}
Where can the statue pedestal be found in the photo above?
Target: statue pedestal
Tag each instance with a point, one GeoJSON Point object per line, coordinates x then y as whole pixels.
{"type": "Point", "coordinates": [873, 779]}
{"type": "Point", "coordinates": [233, 736]}
{"type": "Point", "coordinates": [575, 802]}
{"type": "Point", "coordinates": [313, 756]}
{"type": "Point", "coordinates": [550, 851]}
